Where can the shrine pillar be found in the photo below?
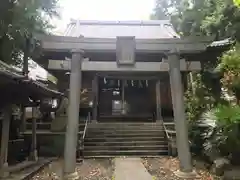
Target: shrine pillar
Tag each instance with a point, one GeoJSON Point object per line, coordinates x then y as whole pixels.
{"type": "Point", "coordinates": [73, 117]}
{"type": "Point", "coordinates": [7, 112]}
{"type": "Point", "coordinates": [158, 101]}
{"type": "Point", "coordinates": [184, 155]}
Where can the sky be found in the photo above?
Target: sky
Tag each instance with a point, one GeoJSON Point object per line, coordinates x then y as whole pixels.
{"type": "Point", "coordinates": [103, 10]}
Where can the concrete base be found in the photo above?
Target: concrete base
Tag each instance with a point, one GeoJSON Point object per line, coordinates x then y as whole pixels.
{"type": "Point", "coordinates": [71, 176]}
{"type": "Point", "coordinates": [34, 155]}
{"type": "Point", "coordinates": [3, 172]}
{"type": "Point", "coordinates": [94, 121]}
{"type": "Point", "coordinates": [186, 175]}
{"type": "Point", "coordinates": [173, 146]}
{"type": "Point", "coordinates": [159, 121]}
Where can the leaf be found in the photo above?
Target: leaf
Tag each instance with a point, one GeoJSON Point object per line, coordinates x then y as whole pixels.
{"type": "Point", "coordinates": [20, 20]}
{"type": "Point", "coordinates": [237, 2]}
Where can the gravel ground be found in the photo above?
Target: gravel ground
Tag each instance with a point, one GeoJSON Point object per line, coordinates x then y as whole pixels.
{"type": "Point", "coordinates": [163, 168]}
{"type": "Point", "coordinates": [90, 169]}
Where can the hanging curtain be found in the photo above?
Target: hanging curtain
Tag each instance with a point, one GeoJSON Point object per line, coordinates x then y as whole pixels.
{"type": "Point", "coordinates": [132, 83]}
{"type": "Point", "coordinates": [140, 84]}
{"type": "Point", "coordinates": [125, 83]}
{"type": "Point", "coordinates": [111, 82]}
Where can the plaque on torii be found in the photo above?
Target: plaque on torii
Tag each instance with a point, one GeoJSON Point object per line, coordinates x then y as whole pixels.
{"type": "Point", "coordinates": [125, 50]}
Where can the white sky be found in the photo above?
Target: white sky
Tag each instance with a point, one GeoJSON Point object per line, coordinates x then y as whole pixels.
{"type": "Point", "coordinates": [104, 10]}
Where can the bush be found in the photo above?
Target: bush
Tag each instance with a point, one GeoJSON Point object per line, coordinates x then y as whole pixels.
{"type": "Point", "coordinates": [230, 67]}
{"type": "Point", "coordinates": [200, 131]}
{"type": "Point", "coordinates": [225, 133]}
{"type": "Point", "coordinates": [197, 102]}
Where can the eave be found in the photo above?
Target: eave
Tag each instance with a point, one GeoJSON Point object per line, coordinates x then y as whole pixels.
{"type": "Point", "coordinates": [66, 44]}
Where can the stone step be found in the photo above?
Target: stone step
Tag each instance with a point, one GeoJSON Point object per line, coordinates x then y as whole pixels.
{"type": "Point", "coordinates": [126, 143]}
{"type": "Point", "coordinates": [124, 135]}
{"type": "Point", "coordinates": [111, 139]}
{"type": "Point", "coordinates": [125, 139]}
{"type": "Point", "coordinates": [39, 125]}
{"type": "Point", "coordinates": [129, 147]}
{"type": "Point", "coordinates": [124, 124]}
{"type": "Point", "coordinates": [100, 131]}
{"type": "Point", "coordinates": [124, 129]}
{"type": "Point", "coordinates": [27, 169]}
{"type": "Point", "coordinates": [132, 120]}
{"type": "Point", "coordinates": [125, 152]}
{"type": "Point", "coordinates": [165, 121]}
{"type": "Point", "coordinates": [97, 125]}
{"type": "Point", "coordinates": [127, 122]}
{"type": "Point", "coordinates": [47, 126]}
{"type": "Point", "coordinates": [47, 133]}
{"type": "Point", "coordinates": [113, 156]}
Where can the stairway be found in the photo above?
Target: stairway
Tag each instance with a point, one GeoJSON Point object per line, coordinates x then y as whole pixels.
{"type": "Point", "coordinates": [125, 139]}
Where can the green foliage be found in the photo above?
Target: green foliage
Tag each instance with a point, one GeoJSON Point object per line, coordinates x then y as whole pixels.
{"type": "Point", "coordinates": [216, 132]}
{"type": "Point", "coordinates": [230, 67]}
{"type": "Point", "coordinates": [236, 2]}
{"type": "Point", "coordinates": [205, 96]}
{"type": "Point", "coordinates": [227, 130]}
{"type": "Point", "coordinates": [199, 132]}
{"type": "Point", "coordinates": [199, 101]}
{"type": "Point", "coordinates": [160, 11]}
{"type": "Point", "coordinates": [21, 20]}
{"type": "Point", "coordinates": [219, 18]}
{"type": "Point", "coordinates": [207, 17]}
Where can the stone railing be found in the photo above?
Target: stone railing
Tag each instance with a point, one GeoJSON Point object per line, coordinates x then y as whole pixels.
{"type": "Point", "coordinates": [169, 129]}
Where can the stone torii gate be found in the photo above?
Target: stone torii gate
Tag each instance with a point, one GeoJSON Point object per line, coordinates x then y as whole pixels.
{"type": "Point", "coordinates": [172, 48]}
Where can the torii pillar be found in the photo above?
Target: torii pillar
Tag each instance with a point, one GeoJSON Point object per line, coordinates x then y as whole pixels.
{"type": "Point", "coordinates": [184, 155]}
{"type": "Point", "coordinates": [69, 171]}
{"type": "Point", "coordinates": [7, 112]}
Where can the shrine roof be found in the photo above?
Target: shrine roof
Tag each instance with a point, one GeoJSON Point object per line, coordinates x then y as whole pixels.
{"type": "Point", "coordinates": [151, 29]}
{"type": "Point", "coordinates": [224, 42]}
{"type": "Point", "coordinates": [148, 29]}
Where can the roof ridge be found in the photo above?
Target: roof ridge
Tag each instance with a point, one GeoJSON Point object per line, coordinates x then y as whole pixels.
{"type": "Point", "coordinates": [120, 22]}
{"type": "Point", "coordinates": [152, 29]}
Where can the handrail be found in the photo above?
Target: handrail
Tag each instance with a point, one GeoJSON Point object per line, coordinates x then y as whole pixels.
{"type": "Point", "coordinates": [169, 134]}
{"type": "Point", "coordinates": [81, 141]}
{"type": "Point", "coordinates": [166, 131]}
{"type": "Point", "coordinates": [85, 127]}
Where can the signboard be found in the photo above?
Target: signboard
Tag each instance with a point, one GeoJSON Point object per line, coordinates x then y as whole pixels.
{"type": "Point", "coordinates": [125, 51]}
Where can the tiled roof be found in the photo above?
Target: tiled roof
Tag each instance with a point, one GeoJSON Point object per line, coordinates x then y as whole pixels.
{"type": "Point", "coordinates": [10, 75]}
{"type": "Point", "coordinates": [151, 29]}
{"type": "Point", "coordinates": [223, 42]}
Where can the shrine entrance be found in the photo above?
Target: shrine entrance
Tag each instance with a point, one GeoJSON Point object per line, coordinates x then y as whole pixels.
{"type": "Point", "coordinates": [123, 100]}
{"type": "Point", "coordinates": [133, 47]}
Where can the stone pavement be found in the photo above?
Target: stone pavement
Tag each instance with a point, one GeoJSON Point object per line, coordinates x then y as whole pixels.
{"type": "Point", "coordinates": [130, 169]}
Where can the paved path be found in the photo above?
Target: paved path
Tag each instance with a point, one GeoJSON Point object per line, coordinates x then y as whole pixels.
{"type": "Point", "coordinates": [130, 169]}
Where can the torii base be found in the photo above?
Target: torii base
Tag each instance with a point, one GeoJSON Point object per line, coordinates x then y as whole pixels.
{"type": "Point", "coordinates": [186, 175]}
{"type": "Point", "coordinates": [71, 176]}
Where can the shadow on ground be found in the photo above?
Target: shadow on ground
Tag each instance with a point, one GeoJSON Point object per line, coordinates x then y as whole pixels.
{"type": "Point", "coordinates": [164, 167]}
{"type": "Point", "coordinates": [90, 169]}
